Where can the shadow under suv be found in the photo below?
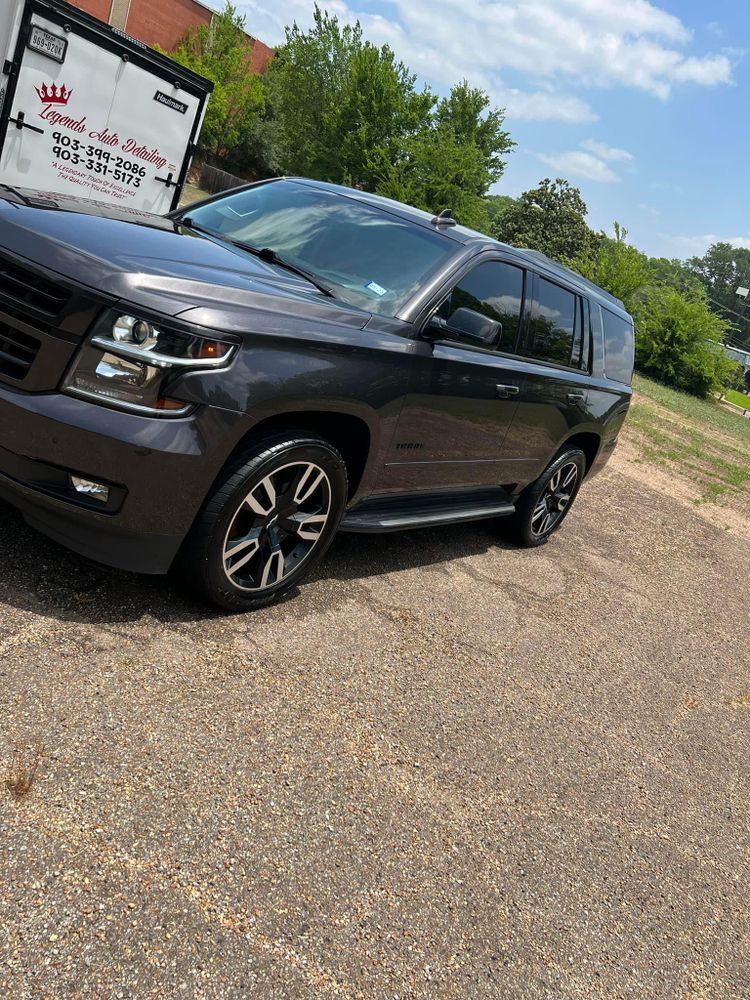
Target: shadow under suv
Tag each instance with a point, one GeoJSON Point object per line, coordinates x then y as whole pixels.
{"type": "Point", "coordinates": [224, 388]}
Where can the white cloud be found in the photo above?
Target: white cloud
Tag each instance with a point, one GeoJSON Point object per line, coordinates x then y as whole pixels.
{"type": "Point", "coordinates": [578, 163]}
{"type": "Point", "coordinates": [605, 152]}
{"type": "Point", "coordinates": [696, 246]}
{"type": "Point", "coordinates": [555, 44]}
{"type": "Point", "coordinates": [543, 105]}
{"type": "Point", "coordinates": [591, 161]}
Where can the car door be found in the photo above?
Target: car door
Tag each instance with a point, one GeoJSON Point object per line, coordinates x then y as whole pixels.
{"type": "Point", "coordinates": [554, 387]}
{"type": "Point", "coordinates": [464, 392]}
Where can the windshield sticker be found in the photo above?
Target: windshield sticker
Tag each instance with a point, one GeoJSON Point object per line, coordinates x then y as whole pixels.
{"type": "Point", "coordinates": [375, 288]}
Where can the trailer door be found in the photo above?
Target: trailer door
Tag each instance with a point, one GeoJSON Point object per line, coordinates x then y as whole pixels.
{"type": "Point", "coordinates": [95, 115]}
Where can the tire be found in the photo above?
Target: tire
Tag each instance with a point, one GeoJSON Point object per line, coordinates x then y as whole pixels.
{"type": "Point", "coordinates": [267, 522]}
{"type": "Point", "coordinates": [543, 506]}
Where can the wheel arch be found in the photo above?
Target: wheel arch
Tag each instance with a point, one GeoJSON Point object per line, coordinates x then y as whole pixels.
{"type": "Point", "coordinates": [589, 442]}
{"type": "Point", "coordinates": [349, 434]}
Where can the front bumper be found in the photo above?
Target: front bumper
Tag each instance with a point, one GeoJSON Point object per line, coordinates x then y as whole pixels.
{"type": "Point", "coordinates": [160, 472]}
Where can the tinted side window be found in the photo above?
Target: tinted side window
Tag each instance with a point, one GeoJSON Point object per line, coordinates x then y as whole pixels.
{"type": "Point", "coordinates": [495, 290]}
{"type": "Point", "coordinates": [619, 347]}
{"type": "Point", "coordinates": [557, 326]}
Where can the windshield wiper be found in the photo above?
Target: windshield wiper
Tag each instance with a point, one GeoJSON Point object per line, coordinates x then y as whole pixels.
{"type": "Point", "coordinates": [265, 253]}
{"type": "Point", "coordinates": [187, 221]}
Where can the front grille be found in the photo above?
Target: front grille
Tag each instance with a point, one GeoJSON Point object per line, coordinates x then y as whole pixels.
{"type": "Point", "coordinates": [17, 352]}
{"type": "Point", "coordinates": [26, 295]}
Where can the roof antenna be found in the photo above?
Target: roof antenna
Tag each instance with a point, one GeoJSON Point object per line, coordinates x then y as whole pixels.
{"type": "Point", "coordinates": [445, 218]}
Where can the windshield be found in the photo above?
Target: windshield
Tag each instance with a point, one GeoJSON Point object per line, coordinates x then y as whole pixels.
{"type": "Point", "coordinates": [369, 258]}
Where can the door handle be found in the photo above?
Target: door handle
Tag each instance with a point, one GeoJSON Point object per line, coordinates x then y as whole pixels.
{"type": "Point", "coordinates": [504, 391]}
{"type": "Point", "coordinates": [20, 122]}
{"type": "Point", "coordinates": [576, 397]}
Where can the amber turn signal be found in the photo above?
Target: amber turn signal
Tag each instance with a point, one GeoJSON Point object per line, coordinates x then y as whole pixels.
{"type": "Point", "coordinates": [212, 349]}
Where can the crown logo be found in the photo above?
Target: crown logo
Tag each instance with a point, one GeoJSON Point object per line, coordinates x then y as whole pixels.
{"type": "Point", "coordinates": [53, 94]}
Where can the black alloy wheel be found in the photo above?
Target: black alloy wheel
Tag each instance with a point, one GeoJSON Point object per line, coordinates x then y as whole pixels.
{"type": "Point", "coordinates": [268, 522]}
{"type": "Point", "coordinates": [277, 525]}
{"type": "Point", "coordinates": [542, 507]}
{"type": "Point", "coordinates": [555, 500]}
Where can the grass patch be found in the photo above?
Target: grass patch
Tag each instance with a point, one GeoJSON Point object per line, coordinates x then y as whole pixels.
{"type": "Point", "coordinates": [738, 398]}
{"type": "Point", "coordinates": [707, 413]}
{"type": "Point", "coordinates": [713, 466]}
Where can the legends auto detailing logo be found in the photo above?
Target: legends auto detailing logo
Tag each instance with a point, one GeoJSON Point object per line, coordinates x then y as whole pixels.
{"type": "Point", "coordinates": [53, 94]}
{"type": "Point", "coordinates": [55, 97]}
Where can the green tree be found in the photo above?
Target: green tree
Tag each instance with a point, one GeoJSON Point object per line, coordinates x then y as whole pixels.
{"type": "Point", "coordinates": [678, 337]}
{"type": "Point", "coordinates": [678, 341]}
{"type": "Point", "coordinates": [345, 111]}
{"type": "Point", "coordinates": [466, 116]}
{"type": "Point", "coordinates": [339, 105]}
{"type": "Point", "coordinates": [723, 269]}
{"type": "Point", "coordinates": [496, 206]}
{"type": "Point", "coordinates": [552, 219]}
{"type": "Point", "coordinates": [616, 266]}
{"type": "Point", "coordinates": [220, 52]}
{"type": "Point", "coordinates": [452, 161]}
{"type": "Point", "coordinates": [675, 274]}
{"type": "Point", "coordinates": [436, 172]}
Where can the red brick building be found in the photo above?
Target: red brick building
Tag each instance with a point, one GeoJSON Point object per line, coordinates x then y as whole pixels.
{"type": "Point", "coordinates": [164, 22]}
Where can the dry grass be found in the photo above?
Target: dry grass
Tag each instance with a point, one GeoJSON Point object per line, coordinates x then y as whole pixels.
{"type": "Point", "coordinates": [22, 773]}
{"type": "Point", "coordinates": [697, 440]}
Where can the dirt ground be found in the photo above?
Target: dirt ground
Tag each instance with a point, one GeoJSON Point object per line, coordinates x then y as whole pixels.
{"type": "Point", "coordinates": [447, 768]}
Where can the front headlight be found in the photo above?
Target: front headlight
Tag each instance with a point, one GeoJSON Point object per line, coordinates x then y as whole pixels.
{"type": "Point", "coordinates": [130, 362]}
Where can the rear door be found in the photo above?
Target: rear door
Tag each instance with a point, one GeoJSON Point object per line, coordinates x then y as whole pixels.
{"type": "Point", "coordinates": [91, 115]}
{"type": "Point", "coordinates": [554, 389]}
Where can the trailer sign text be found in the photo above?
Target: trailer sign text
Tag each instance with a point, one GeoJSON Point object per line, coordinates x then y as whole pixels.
{"type": "Point", "coordinates": [108, 119]}
{"type": "Point", "coordinates": [170, 102]}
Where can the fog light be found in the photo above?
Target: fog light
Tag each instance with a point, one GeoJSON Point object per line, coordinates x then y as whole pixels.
{"type": "Point", "coordinates": [90, 489]}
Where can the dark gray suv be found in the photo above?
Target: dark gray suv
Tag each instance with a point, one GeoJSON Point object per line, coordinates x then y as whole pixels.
{"type": "Point", "coordinates": [223, 389]}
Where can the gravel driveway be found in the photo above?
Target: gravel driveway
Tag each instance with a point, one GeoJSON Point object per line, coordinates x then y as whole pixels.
{"type": "Point", "coordinates": [447, 768]}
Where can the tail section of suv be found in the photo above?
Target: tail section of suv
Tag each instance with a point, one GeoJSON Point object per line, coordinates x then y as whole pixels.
{"type": "Point", "coordinates": [225, 388]}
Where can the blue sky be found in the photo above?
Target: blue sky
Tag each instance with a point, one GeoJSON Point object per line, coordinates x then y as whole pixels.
{"type": "Point", "coordinates": [643, 104]}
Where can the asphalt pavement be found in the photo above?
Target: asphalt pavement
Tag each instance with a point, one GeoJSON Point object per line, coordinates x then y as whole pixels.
{"type": "Point", "coordinates": [445, 768]}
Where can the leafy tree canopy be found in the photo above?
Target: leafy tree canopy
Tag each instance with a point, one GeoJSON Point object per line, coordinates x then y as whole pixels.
{"type": "Point", "coordinates": [346, 111]}
{"type": "Point", "coordinates": [496, 206]}
{"type": "Point", "coordinates": [451, 162]}
{"type": "Point", "coordinates": [677, 341]}
{"type": "Point", "coordinates": [339, 103]}
{"type": "Point", "coordinates": [675, 274]}
{"type": "Point", "coordinates": [616, 266]}
{"type": "Point", "coordinates": [220, 52]}
{"type": "Point", "coordinates": [723, 269]}
{"type": "Point", "coordinates": [552, 219]}
{"type": "Point", "coordinates": [678, 337]}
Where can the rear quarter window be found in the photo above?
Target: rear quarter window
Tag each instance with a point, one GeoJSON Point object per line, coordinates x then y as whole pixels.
{"type": "Point", "coordinates": [619, 347]}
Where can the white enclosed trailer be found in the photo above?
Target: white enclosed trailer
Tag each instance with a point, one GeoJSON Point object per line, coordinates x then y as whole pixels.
{"type": "Point", "coordinates": [88, 111]}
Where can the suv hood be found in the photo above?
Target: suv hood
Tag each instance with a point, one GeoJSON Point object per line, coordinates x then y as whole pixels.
{"type": "Point", "coordinates": [150, 260]}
